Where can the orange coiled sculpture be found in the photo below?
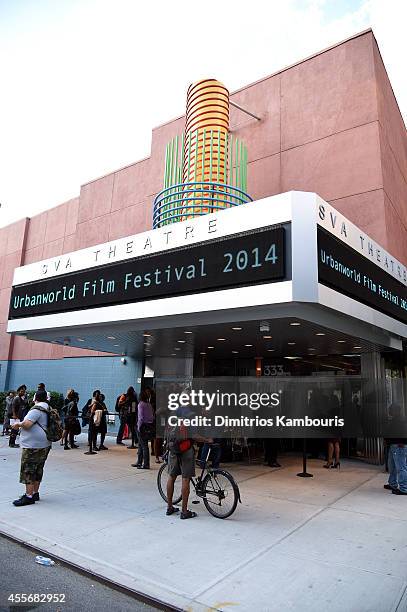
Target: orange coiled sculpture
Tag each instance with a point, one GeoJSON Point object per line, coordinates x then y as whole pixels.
{"type": "Point", "coordinates": [205, 167]}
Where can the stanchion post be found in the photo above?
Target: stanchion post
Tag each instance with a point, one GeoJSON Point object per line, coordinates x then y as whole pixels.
{"type": "Point", "coordinates": [304, 473]}
{"type": "Point", "coordinates": [90, 438]}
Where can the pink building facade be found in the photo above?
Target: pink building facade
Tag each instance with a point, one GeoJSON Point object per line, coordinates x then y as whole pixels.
{"type": "Point", "coordinates": [330, 124]}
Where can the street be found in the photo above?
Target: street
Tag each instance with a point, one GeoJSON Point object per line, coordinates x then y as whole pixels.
{"type": "Point", "coordinates": [21, 574]}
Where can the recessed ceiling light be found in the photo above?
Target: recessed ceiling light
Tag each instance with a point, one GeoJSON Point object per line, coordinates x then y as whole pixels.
{"type": "Point", "coordinates": [148, 355]}
{"type": "Point", "coordinates": [181, 341]}
{"type": "Point", "coordinates": [173, 354]}
{"type": "Point", "coordinates": [147, 335]}
{"type": "Point", "coordinates": [341, 341]}
{"type": "Point", "coordinates": [111, 338]}
{"type": "Point", "coordinates": [267, 337]}
{"type": "Point", "coordinates": [236, 328]}
{"type": "Point", "coordinates": [312, 349]}
{"type": "Point", "coordinates": [116, 344]}
{"type": "Point", "coordinates": [210, 347]}
{"type": "Point", "coordinates": [177, 348]}
{"type": "Point", "coordinates": [203, 353]}
{"type": "Point", "coordinates": [188, 332]}
{"type": "Point", "coordinates": [291, 343]}
{"type": "Point", "coordinates": [221, 339]}
{"type": "Point", "coordinates": [320, 334]}
{"type": "Point", "coordinates": [357, 347]}
{"type": "Point", "coordinates": [292, 358]}
{"type": "Point", "coordinates": [80, 340]}
{"type": "Point", "coordinates": [248, 344]}
{"type": "Point", "coordinates": [294, 324]}
{"type": "Point", "coordinates": [235, 352]}
{"type": "Point", "coordinates": [271, 350]}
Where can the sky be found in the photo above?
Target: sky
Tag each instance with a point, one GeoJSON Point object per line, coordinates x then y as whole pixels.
{"type": "Point", "coordinates": [85, 81]}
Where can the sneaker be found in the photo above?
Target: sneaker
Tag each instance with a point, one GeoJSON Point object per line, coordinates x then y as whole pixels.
{"type": "Point", "coordinates": [24, 501]}
{"type": "Point", "coordinates": [102, 447]}
{"type": "Point", "coordinates": [36, 497]}
{"type": "Point", "coordinates": [14, 445]}
{"type": "Point", "coordinates": [398, 492]}
{"type": "Point", "coordinates": [389, 487]}
{"type": "Point", "coordinates": [121, 443]}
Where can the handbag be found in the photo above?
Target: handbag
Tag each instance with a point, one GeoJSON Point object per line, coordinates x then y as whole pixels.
{"type": "Point", "coordinates": [76, 427]}
{"type": "Point", "coordinates": [147, 431]}
{"type": "Point", "coordinates": [97, 417]}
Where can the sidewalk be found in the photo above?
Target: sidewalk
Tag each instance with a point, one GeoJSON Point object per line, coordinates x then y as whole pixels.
{"type": "Point", "coordinates": [334, 542]}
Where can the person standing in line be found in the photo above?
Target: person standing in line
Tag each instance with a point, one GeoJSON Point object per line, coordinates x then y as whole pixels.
{"type": "Point", "coordinates": [95, 411]}
{"type": "Point", "coordinates": [8, 411]}
{"type": "Point", "coordinates": [145, 424]}
{"type": "Point", "coordinates": [271, 448]}
{"type": "Point", "coordinates": [397, 451]}
{"type": "Point", "coordinates": [35, 449]}
{"type": "Point", "coordinates": [132, 403]}
{"type": "Point", "coordinates": [122, 407]}
{"type": "Point", "coordinates": [156, 443]}
{"type": "Point", "coordinates": [41, 387]}
{"type": "Point", "coordinates": [19, 410]}
{"type": "Point", "coordinates": [85, 411]}
{"type": "Point", "coordinates": [71, 415]}
{"type": "Point", "coordinates": [334, 444]}
{"type": "Point", "coordinates": [101, 424]}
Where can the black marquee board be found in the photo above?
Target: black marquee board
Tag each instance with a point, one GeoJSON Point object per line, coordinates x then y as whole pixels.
{"type": "Point", "coordinates": [244, 259]}
{"type": "Point", "coordinates": [342, 268]}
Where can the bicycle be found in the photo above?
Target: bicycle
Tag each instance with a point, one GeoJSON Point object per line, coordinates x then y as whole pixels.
{"type": "Point", "coordinates": [217, 488]}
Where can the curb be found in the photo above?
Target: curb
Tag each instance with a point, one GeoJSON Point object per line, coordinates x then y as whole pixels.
{"type": "Point", "coordinates": [142, 597]}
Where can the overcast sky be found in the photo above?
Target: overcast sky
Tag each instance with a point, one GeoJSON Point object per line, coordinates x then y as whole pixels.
{"type": "Point", "coordinates": [85, 81]}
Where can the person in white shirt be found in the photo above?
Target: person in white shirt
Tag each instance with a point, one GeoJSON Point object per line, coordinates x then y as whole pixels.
{"type": "Point", "coordinates": [35, 448]}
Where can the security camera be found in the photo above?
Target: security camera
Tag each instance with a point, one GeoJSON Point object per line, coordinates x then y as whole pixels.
{"type": "Point", "coordinates": [123, 360]}
{"type": "Point", "coordinates": [67, 341]}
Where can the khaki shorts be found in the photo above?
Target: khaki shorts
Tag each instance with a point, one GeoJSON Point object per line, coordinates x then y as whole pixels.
{"type": "Point", "coordinates": [32, 464]}
{"type": "Point", "coordinates": [182, 464]}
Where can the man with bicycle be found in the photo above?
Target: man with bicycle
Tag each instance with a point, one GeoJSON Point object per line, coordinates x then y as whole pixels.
{"type": "Point", "coordinates": [181, 461]}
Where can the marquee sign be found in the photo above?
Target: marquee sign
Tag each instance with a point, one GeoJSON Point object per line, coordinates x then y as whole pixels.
{"type": "Point", "coordinates": [347, 271]}
{"type": "Point", "coordinates": [243, 259]}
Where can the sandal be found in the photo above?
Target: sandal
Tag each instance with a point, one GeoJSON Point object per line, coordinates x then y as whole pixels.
{"type": "Point", "coordinates": [188, 514]}
{"type": "Point", "coordinates": [172, 510]}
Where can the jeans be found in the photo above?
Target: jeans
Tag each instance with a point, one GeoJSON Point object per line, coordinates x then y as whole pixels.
{"type": "Point", "coordinates": [143, 457]}
{"type": "Point", "coordinates": [215, 454]}
{"type": "Point", "coordinates": [398, 467]}
{"type": "Point", "coordinates": [123, 423]}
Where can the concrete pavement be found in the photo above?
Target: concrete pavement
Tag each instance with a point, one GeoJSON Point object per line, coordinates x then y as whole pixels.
{"type": "Point", "coordinates": [337, 541]}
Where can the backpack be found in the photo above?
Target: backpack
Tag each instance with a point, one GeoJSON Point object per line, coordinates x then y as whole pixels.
{"type": "Point", "coordinates": [54, 429]}
{"type": "Point", "coordinates": [177, 438]}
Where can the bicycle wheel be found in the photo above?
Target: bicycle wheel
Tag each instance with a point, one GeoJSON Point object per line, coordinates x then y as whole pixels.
{"type": "Point", "coordinates": [162, 478]}
{"type": "Point", "coordinates": [220, 493]}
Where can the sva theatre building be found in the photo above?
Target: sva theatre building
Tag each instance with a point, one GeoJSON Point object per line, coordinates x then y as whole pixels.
{"type": "Point", "coordinates": [264, 236]}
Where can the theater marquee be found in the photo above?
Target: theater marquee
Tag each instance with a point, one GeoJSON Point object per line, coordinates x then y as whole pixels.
{"type": "Point", "coordinates": [292, 249]}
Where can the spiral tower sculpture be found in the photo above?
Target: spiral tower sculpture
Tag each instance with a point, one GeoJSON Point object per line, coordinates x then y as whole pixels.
{"type": "Point", "coordinates": [205, 167]}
